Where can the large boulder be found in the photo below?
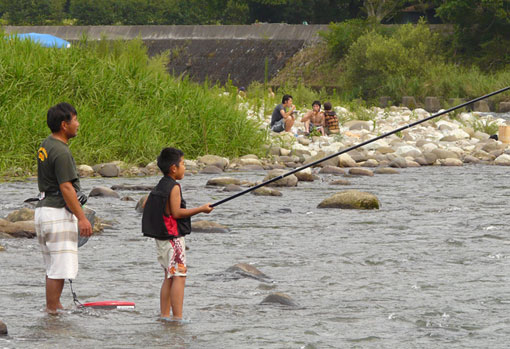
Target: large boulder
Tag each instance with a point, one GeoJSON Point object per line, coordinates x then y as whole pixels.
{"type": "Point", "coordinates": [445, 154]}
{"type": "Point", "coordinates": [502, 160]}
{"type": "Point", "coordinates": [23, 214]}
{"type": "Point", "coordinates": [104, 192]}
{"type": "Point", "coordinates": [289, 181]}
{"type": "Point", "coordinates": [351, 199]}
{"type": "Point", "coordinates": [85, 170]}
{"type": "Point", "coordinates": [432, 104]}
{"type": "Point", "coordinates": [223, 181]}
{"type": "Point", "coordinates": [211, 169]}
{"type": "Point", "coordinates": [107, 170]}
{"type": "Point", "coordinates": [247, 270]}
{"type": "Point", "coordinates": [208, 227]}
{"type": "Point", "coordinates": [20, 229]}
{"type": "Point", "coordinates": [213, 160]}
{"type": "Point", "coordinates": [305, 175]}
{"type": "Point", "coordinates": [345, 160]}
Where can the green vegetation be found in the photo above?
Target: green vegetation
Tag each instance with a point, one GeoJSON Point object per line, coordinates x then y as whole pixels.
{"type": "Point", "coordinates": [128, 106]}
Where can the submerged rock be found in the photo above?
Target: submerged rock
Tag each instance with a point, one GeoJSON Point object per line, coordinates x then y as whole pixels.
{"type": "Point", "coordinates": [208, 227]}
{"type": "Point", "coordinates": [132, 187]}
{"type": "Point", "coordinates": [20, 229]}
{"type": "Point", "coordinates": [232, 188]}
{"type": "Point", "coordinates": [247, 270]}
{"type": "Point", "coordinates": [107, 170]}
{"type": "Point", "coordinates": [140, 204]}
{"type": "Point", "coordinates": [266, 191]}
{"type": "Point", "coordinates": [332, 170]}
{"type": "Point", "coordinates": [340, 182]}
{"type": "Point", "coordinates": [211, 169]}
{"type": "Point", "coordinates": [351, 199]}
{"type": "Point", "coordinates": [386, 170]}
{"type": "Point", "coordinates": [104, 192]}
{"type": "Point", "coordinates": [305, 175]}
{"type": "Point", "coordinates": [358, 171]}
{"type": "Point", "coordinates": [279, 298]}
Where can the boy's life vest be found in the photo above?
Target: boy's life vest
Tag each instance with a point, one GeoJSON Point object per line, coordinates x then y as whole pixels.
{"type": "Point", "coordinates": [155, 223]}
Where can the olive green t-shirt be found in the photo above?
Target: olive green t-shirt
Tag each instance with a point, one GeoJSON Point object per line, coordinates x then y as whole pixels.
{"type": "Point", "coordinates": [55, 165]}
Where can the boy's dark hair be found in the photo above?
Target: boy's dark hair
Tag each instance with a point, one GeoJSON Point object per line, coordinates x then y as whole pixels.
{"type": "Point", "coordinates": [327, 106]}
{"type": "Point", "coordinates": [285, 98]}
{"type": "Point", "coordinates": [168, 157]}
{"type": "Point", "coordinates": [57, 114]}
{"type": "Point", "coordinates": [316, 102]}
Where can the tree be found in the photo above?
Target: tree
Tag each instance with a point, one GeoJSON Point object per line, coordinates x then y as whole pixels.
{"type": "Point", "coordinates": [29, 12]}
{"type": "Point", "coordinates": [381, 9]}
{"type": "Point", "coordinates": [92, 12]}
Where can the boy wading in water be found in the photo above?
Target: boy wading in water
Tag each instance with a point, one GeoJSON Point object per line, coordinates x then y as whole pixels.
{"type": "Point", "coordinates": [166, 218]}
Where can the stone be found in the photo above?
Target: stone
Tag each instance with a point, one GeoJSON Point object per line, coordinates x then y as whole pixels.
{"type": "Point", "coordinates": [108, 170]}
{"type": "Point", "coordinates": [385, 150]}
{"type": "Point", "coordinates": [232, 188]}
{"type": "Point", "coordinates": [104, 192]}
{"type": "Point", "coordinates": [320, 155]}
{"type": "Point", "coordinates": [396, 161]}
{"type": "Point", "coordinates": [223, 181]}
{"type": "Point", "coordinates": [127, 198]}
{"type": "Point", "coordinates": [2, 248]}
{"type": "Point", "coordinates": [408, 150]}
{"type": "Point", "coordinates": [386, 170]}
{"type": "Point", "coordinates": [409, 102]}
{"type": "Point", "coordinates": [3, 329]}
{"type": "Point", "coordinates": [20, 229]}
{"type": "Point", "coordinates": [502, 160]}
{"type": "Point", "coordinates": [370, 163]}
{"type": "Point", "coordinates": [265, 191]}
{"type": "Point", "coordinates": [469, 159]}
{"type": "Point", "coordinates": [284, 152]}
{"type": "Point", "coordinates": [430, 158]}
{"type": "Point", "coordinates": [280, 299]}
{"type": "Point", "coordinates": [337, 171]}
{"type": "Point", "coordinates": [250, 161]}
{"type": "Point", "coordinates": [351, 199]}
{"type": "Point", "coordinates": [481, 106]}
{"type": "Point", "coordinates": [444, 154]}
{"type": "Point", "coordinates": [504, 107]}
{"type": "Point", "coordinates": [85, 170]}
{"type": "Point", "coordinates": [251, 168]}
{"type": "Point", "coordinates": [450, 138]}
{"type": "Point", "coordinates": [358, 171]}
{"type": "Point", "coordinates": [304, 140]}
{"type": "Point", "coordinates": [23, 214]}
{"type": "Point", "coordinates": [358, 125]}
{"type": "Point", "coordinates": [340, 182]}
{"type": "Point", "coordinates": [481, 135]}
{"type": "Point", "coordinates": [141, 203]}
{"type": "Point", "coordinates": [492, 145]}
{"type": "Point", "coordinates": [247, 270]}
{"type": "Point", "coordinates": [432, 104]}
{"type": "Point", "coordinates": [211, 169]}
{"type": "Point", "coordinates": [213, 160]}
{"type": "Point", "coordinates": [345, 160]}
{"type": "Point", "coordinates": [208, 227]}
{"type": "Point", "coordinates": [288, 181]}
{"type": "Point", "coordinates": [483, 155]}
{"type": "Point", "coordinates": [305, 175]}
{"type": "Point", "coordinates": [451, 162]}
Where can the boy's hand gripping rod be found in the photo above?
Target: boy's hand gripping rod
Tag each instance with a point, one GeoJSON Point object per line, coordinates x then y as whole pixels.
{"type": "Point", "coordinates": [357, 146]}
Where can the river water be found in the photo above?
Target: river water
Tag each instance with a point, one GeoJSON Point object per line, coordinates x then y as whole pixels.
{"type": "Point", "coordinates": [429, 269]}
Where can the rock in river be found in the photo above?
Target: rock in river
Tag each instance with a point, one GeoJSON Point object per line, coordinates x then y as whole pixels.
{"type": "Point", "coordinates": [351, 199]}
{"type": "Point", "coordinates": [208, 227]}
{"type": "Point", "coordinates": [247, 270]}
{"type": "Point", "coordinates": [279, 298]}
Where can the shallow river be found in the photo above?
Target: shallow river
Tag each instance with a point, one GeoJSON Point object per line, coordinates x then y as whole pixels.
{"type": "Point", "coordinates": [429, 269]}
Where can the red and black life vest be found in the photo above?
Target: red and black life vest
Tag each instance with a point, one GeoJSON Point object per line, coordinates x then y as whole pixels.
{"type": "Point", "coordinates": [155, 223]}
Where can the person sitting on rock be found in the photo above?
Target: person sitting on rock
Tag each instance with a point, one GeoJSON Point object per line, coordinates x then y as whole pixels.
{"type": "Point", "coordinates": [330, 119]}
{"type": "Point", "coordinates": [280, 119]}
{"type": "Point", "coordinates": [314, 119]}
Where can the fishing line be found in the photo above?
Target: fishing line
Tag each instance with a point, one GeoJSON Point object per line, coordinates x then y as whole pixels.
{"type": "Point", "coordinates": [357, 146]}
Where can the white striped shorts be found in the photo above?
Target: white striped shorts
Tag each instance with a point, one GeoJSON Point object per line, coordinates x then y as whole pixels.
{"type": "Point", "coordinates": [57, 233]}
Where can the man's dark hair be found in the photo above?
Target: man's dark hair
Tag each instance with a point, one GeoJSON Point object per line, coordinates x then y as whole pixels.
{"type": "Point", "coordinates": [57, 114]}
{"type": "Point", "coordinates": [327, 106]}
{"type": "Point", "coordinates": [168, 157]}
{"type": "Point", "coordinates": [316, 102]}
{"type": "Point", "coordinates": [285, 98]}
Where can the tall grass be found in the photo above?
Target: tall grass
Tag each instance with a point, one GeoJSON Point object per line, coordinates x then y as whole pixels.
{"type": "Point", "coordinates": [129, 108]}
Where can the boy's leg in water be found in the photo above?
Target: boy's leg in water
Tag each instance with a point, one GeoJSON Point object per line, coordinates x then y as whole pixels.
{"type": "Point", "coordinates": [54, 289]}
{"type": "Point", "coordinates": [177, 296]}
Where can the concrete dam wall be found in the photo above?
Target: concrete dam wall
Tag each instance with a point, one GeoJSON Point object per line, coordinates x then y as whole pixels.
{"type": "Point", "coordinates": [218, 53]}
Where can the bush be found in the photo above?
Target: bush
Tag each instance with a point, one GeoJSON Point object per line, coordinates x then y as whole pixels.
{"type": "Point", "coordinates": [128, 106]}
{"type": "Point", "coordinates": [341, 36]}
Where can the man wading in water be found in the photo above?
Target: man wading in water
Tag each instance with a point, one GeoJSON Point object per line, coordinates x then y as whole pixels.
{"type": "Point", "coordinates": [56, 225]}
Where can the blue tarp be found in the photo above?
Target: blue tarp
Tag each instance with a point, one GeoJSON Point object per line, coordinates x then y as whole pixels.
{"type": "Point", "coordinates": [45, 40]}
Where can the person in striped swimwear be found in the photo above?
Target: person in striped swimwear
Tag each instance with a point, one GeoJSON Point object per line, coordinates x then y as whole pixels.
{"type": "Point", "coordinates": [58, 214]}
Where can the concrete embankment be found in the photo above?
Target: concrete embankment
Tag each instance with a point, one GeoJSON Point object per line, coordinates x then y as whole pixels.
{"type": "Point", "coordinates": [237, 52]}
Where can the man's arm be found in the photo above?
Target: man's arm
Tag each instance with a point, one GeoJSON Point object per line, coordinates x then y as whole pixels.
{"type": "Point", "coordinates": [286, 115]}
{"type": "Point", "coordinates": [69, 194]}
{"type": "Point", "coordinates": [307, 116]}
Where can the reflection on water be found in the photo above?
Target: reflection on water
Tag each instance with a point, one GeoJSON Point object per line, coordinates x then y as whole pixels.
{"type": "Point", "coordinates": [429, 269]}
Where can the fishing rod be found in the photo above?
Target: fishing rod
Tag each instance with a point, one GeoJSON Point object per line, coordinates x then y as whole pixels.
{"type": "Point", "coordinates": [358, 146]}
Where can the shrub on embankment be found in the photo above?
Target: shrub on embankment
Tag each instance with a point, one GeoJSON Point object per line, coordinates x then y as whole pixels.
{"type": "Point", "coordinates": [129, 108]}
{"type": "Point", "coordinates": [366, 60]}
